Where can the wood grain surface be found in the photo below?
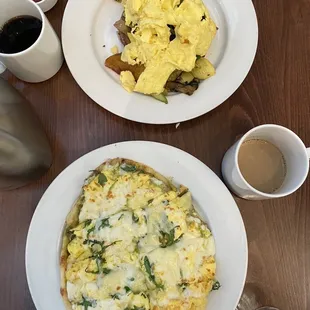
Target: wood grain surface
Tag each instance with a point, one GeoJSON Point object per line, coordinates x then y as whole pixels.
{"type": "Point", "coordinates": [277, 90]}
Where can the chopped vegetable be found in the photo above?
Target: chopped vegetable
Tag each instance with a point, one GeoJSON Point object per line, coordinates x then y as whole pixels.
{"type": "Point", "coordinates": [129, 168]}
{"type": "Point", "coordinates": [127, 289]}
{"type": "Point", "coordinates": [90, 230]}
{"type": "Point", "coordinates": [99, 260]}
{"type": "Point", "coordinates": [149, 271]}
{"type": "Point", "coordinates": [115, 296]}
{"type": "Point", "coordinates": [105, 223]}
{"type": "Point", "coordinates": [167, 239]}
{"type": "Point", "coordinates": [106, 270]}
{"type": "Point", "coordinates": [86, 303]}
{"type": "Point", "coordinates": [102, 179]}
{"type": "Point", "coordinates": [120, 25]}
{"type": "Point", "coordinates": [182, 88]}
{"type": "Point", "coordinates": [160, 97]}
{"type": "Point", "coordinates": [86, 223]}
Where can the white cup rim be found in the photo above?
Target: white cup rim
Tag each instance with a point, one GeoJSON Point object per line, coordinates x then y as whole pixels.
{"type": "Point", "coordinates": [302, 180]}
{"type": "Point", "coordinates": [35, 4]}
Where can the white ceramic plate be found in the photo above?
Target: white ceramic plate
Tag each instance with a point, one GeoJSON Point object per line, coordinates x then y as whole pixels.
{"type": "Point", "coordinates": [214, 203]}
{"type": "Point", "coordinates": [88, 35]}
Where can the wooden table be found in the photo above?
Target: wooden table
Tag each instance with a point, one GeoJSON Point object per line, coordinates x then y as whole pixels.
{"type": "Point", "coordinates": [277, 90]}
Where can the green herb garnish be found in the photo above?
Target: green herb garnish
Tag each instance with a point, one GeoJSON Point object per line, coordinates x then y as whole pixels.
{"type": "Point", "coordinates": [135, 218]}
{"type": "Point", "coordinates": [87, 223]}
{"type": "Point", "coordinates": [102, 179]}
{"type": "Point", "coordinates": [98, 247]}
{"type": "Point", "coordinates": [91, 242]}
{"type": "Point", "coordinates": [86, 303]}
{"type": "Point", "coordinates": [121, 216]}
{"type": "Point", "coordinates": [167, 239]}
{"type": "Point", "coordinates": [106, 270]}
{"type": "Point", "coordinates": [148, 269]}
{"type": "Point", "coordinates": [127, 289]}
{"type": "Point", "coordinates": [99, 260]}
{"type": "Point", "coordinates": [216, 286]}
{"type": "Point", "coordinates": [129, 168]}
{"type": "Point", "coordinates": [105, 223]}
{"type": "Point", "coordinates": [115, 296]}
{"type": "Point", "coordinates": [90, 230]}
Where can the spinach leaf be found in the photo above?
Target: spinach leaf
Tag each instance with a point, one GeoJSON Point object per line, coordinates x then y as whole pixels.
{"type": "Point", "coordinates": [168, 239]}
{"type": "Point", "coordinates": [149, 271]}
{"type": "Point", "coordinates": [90, 230]}
{"type": "Point", "coordinates": [98, 247]}
{"type": "Point", "coordinates": [106, 270]}
{"type": "Point", "coordinates": [99, 260]}
{"type": "Point", "coordinates": [86, 303]}
{"type": "Point", "coordinates": [105, 223]}
{"type": "Point", "coordinates": [116, 296]}
{"type": "Point", "coordinates": [102, 179]}
{"type": "Point", "coordinates": [128, 168]}
{"type": "Point", "coordinates": [87, 223]}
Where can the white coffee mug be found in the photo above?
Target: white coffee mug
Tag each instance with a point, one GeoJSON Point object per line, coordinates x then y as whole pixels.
{"type": "Point", "coordinates": [46, 5]}
{"type": "Point", "coordinates": [296, 157]}
{"type": "Point", "coordinates": [41, 60]}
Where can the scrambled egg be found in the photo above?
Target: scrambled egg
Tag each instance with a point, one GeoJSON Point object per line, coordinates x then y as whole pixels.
{"type": "Point", "coordinates": [128, 81]}
{"type": "Point", "coordinates": [138, 244]}
{"type": "Point", "coordinates": [114, 50]}
{"type": "Point", "coordinates": [166, 35]}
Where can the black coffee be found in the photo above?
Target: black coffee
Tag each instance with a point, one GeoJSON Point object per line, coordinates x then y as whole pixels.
{"type": "Point", "coordinates": [19, 33]}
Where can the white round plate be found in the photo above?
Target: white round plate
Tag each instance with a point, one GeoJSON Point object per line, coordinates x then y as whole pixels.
{"type": "Point", "coordinates": [88, 35]}
{"type": "Point", "coordinates": [211, 198]}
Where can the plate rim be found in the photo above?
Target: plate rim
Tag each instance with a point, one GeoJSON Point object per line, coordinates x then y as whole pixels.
{"type": "Point", "coordinates": [40, 206]}
{"type": "Point", "coordinates": [242, 68]}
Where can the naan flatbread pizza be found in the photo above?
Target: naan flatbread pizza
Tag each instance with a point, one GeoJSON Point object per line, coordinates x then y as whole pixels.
{"type": "Point", "coordinates": [133, 241]}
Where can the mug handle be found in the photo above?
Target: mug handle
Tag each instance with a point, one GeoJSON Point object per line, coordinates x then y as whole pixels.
{"type": "Point", "coordinates": [2, 67]}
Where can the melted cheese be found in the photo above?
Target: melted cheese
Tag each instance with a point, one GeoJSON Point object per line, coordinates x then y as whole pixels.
{"type": "Point", "coordinates": [128, 218]}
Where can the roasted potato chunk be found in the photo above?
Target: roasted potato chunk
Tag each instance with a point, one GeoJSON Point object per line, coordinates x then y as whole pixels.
{"type": "Point", "coordinates": [203, 69]}
{"type": "Point", "coordinates": [115, 63]}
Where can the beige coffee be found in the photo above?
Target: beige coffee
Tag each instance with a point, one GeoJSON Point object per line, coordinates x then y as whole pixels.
{"type": "Point", "coordinates": [262, 165]}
